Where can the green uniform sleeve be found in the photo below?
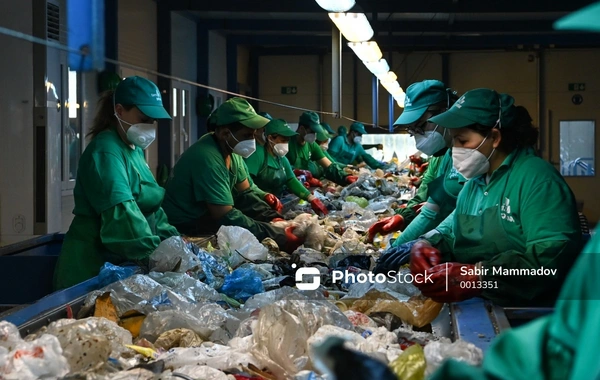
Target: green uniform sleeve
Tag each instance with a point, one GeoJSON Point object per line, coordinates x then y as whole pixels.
{"type": "Point", "coordinates": [422, 192]}
{"type": "Point", "coordinates": [326, 154]}
{"type": "Point", "coordinates": [551, 242]}
{"type": "Point", "coordinates": [261, 230]}
{"type": "Point", "coordinates": [316, 153]}
{"type": "Point", "coordinates": [442, 237]}
{"type": "Point", "coordinates": [335, 172]}
{"type": "Point", "coordinates": [261, 194]}
{"type": "Point", "coordinates": [213, 186]}
{"type": "Point", "coordinates": [336, 145]}
{"type": "Point", "coordinates": [163, 229]}
{"type": "Point", "coordinates": [106, 181]}
{"type": "Point", "coordinates": [372, 162]}
{"type": "Point", "coordinates": [126, 234]}
{"type": "Point", "coordinates": [292, 182]}
{"type": "Point", "coordinates": [426, 221]}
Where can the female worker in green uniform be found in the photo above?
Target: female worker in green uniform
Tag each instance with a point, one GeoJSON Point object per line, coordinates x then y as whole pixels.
{"type": "Point", "coordinates": [564, 344]}
{"type": "Point", "coordinates": [503, 241]}
{"type": "Point", "coordinates": [210, 185]}
{"type": "Point", "coordinates": [348, 149]}
{"type": "Point", "coordinates": [118, 217]}
{"type": "Point", "coordinates": [305, 154]}
{"type": "Point", "coordinates": [270, 169]}
{"type": "Point", "coordinates": [441, 183]}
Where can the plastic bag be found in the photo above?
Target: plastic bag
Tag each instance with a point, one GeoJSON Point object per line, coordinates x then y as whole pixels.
{"type": "Point", "coordinates": [214, 268]}
{"type": "Point", "coordinates": [213, 355]}
{"type": "Point", "coordinates": [89, 342]}
{"type": "Point", "coordinates": [281, 333]}
{"type": "Point", "coordinates": [9, 335]}
{"type": "Point", "coordinates": [310, 256]}
{"type": "Point", "coordinates": [178, 338]}
{"type": "Point", "coordinates": [202, 372]}
{"type": "Point", "coordinates": [41, 358]}
{"type": "Point", "coordinates": [242, 283]}
{"type": "Point", "coordinates": [173, 255]}
{"type": "Point", "coordinates": [360, 319]}
{"type": "Point", "coordinates": [315, 236]}
{"type": "Point", "coordinates": [352, 339]}
{"type": "Point", "coordinates": [110, 273]}
{"type": "Point", "coordinates": [204, 322]}
{"type": "Point", "coordinates": [438, 351]}
{"type": "Point", "coordinates": [238, 245]}
{"type": "Point", "coordinates": [361, 202]}
{"type": "Point", "coordinates": [381, 344]}
{"type": "Point", "coordinates": [410, 365]}
{"type": "Point", "coordinates": [186, 286]}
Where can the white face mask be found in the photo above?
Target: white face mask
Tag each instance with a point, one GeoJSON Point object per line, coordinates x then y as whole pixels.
{"type": "Point", "coordinates": [471, 163]}
{"type": "Point", "coordinates": [244, 148]}
{"type": "Point", "coordinates": [431, 142]}
{"type": "Point", "coordinates": [310, 137]}
{"type": "Point", "coordinates": [141, 134]}
{"type": "Point", "coordinates": [281, 149]}
{"type": "Point", "coordinates": [357, 140]}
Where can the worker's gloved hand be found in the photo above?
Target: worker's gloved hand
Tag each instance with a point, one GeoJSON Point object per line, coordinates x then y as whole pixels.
{"type": "Point", "coordinates": [277, 220]}
{"type": "Point", "coordinates": [307, 185]}
{"type": "Point", "coordinates": [351, 179]}
{"type": "Point", "coordinates": [423, 257]}
{"type": "Point", "coordinates": [394, 257]}
{"type": "Point", "coordinates": [417, 208]}
{"type": "Point", "coordinates": [313, 182]}
{"type": "Point", "coordinates": [306, 173]}
{"type": "Point", "coordinates": [416, 159]}
{"type": "Point", "coordinates": [318, 207]}
{"type": "Point", "coordinates": [463, 283]}
{"type": "Point", "coordinates": [293, 241]}
{"type": "Point", "coordinates": [385, 226]}
{"type": "Point", "coordinates": [421, 168]}
{"type": "Point", "coordinates": [274, 202]}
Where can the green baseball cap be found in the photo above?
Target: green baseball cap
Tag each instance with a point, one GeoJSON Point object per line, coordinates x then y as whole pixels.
{"type": "Point", "coordinates": [584, 19]}
{"type": "Point", "coordinates": [142, 93]}
{"type": "Point", "coordinates": [213, 118]}
{"type": "Point", "coordinates": [238, 110]}
{"type": "Point", "coordinates": [358, 127]}
{"type": "Point", "coordinates": [419, 96]}
{"type": "Point", "coordinates": [279, 127]}
{"type": "Point", "coordinates": [342, 130]}
{"type": "Point", "coordinates": [311, 120]}
{"type": "Point", "coordinates": [328, 128]}
{"type": "Point", "coordinates": [266, 114]}
{"type": "Point", "coordinates": [323, 136]}
{"type": "Point", "coordinates": [479, 106]}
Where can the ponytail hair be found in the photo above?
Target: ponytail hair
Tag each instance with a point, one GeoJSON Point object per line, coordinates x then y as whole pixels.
{"type": "Point", "coordinates": [521, 133]}
{"type": "Point", "coordinates": [105, 114]}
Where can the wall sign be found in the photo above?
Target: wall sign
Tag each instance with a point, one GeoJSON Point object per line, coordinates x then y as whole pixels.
{"type": "Point", "coordinates": [576, 86]}
{"type": "Point", "coordinates": [289, 90]}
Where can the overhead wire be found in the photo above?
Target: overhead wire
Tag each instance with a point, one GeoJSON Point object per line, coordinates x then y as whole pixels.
{"type": "Point", "coordinates": [83, 53]}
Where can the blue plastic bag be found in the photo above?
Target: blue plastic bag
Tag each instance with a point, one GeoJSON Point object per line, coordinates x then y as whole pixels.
{"type": "Point", "coordinates": [242, 284]}
{"type": "Point", "coordinates": [110, 273]}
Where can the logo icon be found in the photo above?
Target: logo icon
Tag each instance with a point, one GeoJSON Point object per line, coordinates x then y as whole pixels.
{"type": "Point", "coordinates": [315, 280]}
{"type": "Point", "coordinates": [459, 103]}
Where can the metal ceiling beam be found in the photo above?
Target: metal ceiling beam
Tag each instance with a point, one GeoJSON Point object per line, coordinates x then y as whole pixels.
{"type": "Point", "coordinates": [324, 27]}
{"type": "Point", "coordinates": [424, 43]}
{"type": "Point", "coordinates": [382, 6]}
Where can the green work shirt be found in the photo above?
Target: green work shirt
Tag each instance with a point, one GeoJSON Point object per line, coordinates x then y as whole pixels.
{"type": "Point", "coordinates": [346, 153]}
{"type": "Point", "coordinates": [442, 191]}
{"type": "Point", "coordinates": [272, 174]}
{"type": "Point", "coordinates": [200, 177]}
{"type": "Point", "coordinates": [117, 211]}
{"type": "Point", "coordinates": [562, 345]}
{"type": "Point", "coordinates": [524, 218]}
{"type": "Point", "coordinates": [305, 156]}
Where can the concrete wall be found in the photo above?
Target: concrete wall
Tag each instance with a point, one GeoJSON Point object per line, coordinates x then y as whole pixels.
{"type": "Point", "coordinates": [217, 65]}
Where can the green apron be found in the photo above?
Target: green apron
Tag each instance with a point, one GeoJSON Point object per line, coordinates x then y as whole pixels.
{"type": "Point", "coordinates": [271, 179]}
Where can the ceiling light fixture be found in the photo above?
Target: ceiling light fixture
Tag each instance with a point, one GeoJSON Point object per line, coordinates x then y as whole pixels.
{"type": "Point", "coordinates": [336, 5]}
{"type": "Point", "coordinates": [366, 51]}
{"type": "Point", "coordinates": [390, 76]}
{"type": "Point", "coordinates": [355, 27]}
{"type": "Point", "coordinates": [378, 68]}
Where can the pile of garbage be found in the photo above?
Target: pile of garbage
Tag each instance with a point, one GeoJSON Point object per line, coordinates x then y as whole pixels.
{"type": "Point", "coordinates": [233, 308]}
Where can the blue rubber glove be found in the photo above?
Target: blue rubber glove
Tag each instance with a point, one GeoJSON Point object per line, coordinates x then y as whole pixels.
{"type": "Point", "coordinates": [394, 257]}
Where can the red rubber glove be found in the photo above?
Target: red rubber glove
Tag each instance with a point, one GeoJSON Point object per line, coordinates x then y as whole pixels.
{"type": "Point", "coordinates": [422, 258]}
{"type": "Point", "coordinates": [306, 173]}
{"type": "Point", "coordinates": [319, 207]}
{"type": "Point", "coordinates": [313, 182]}
{"type": "Point", "coordinates": [351, 179]}
{"type": "Point", "coordinates": [307, 185]}
{"type": "Point", "coordinates": [417, 208]}
{"type": "Point", "coordinates": [421, 168]}
{"type": "Point", "coordinates": [416, 159]}
{"type": "Point", "coordinates": [277, 220]}
{"type": "Point", "coordinates": [274, 202]}
{"type": "Point", "coordinates": [385, 226]}
{"type": "Point", "coordinates": [463, 283]}
{"type": "Point", "coordinates": [293, 241]}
